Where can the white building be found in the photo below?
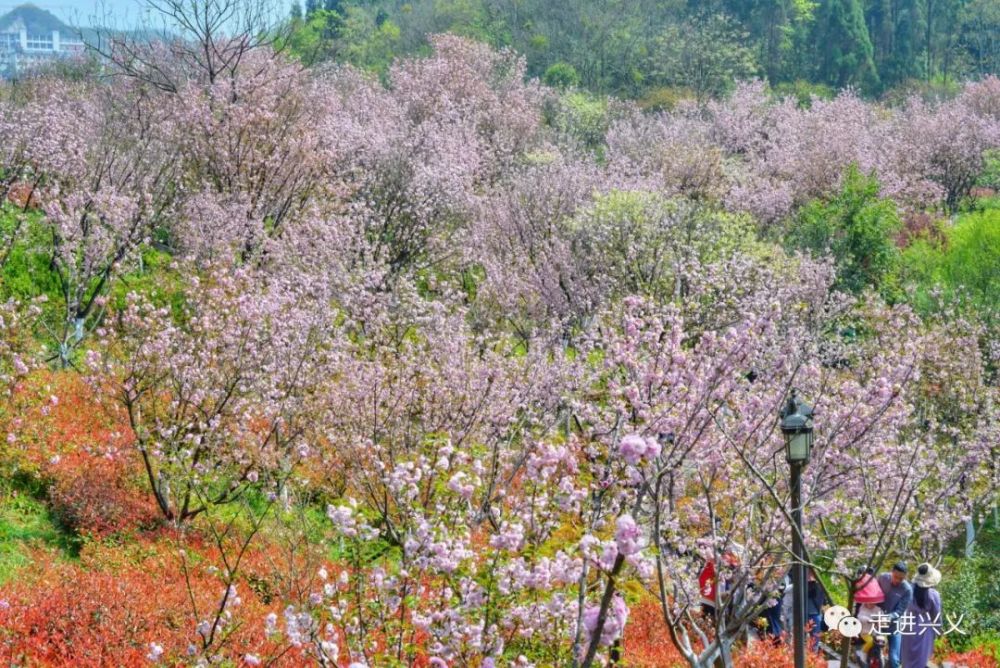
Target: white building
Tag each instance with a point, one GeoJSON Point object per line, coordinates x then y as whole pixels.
{"type": "Point", "coordinates": [30, 36]}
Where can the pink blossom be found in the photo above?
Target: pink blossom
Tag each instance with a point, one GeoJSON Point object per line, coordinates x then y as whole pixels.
{"type": "Point", "coordinates": [614, 623]}
{"type": "Point", "coordinates": [627, 535]}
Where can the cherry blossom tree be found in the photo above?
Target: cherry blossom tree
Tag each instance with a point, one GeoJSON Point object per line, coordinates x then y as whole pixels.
{"type": "Point", "coordinates": [444, 128]}
{"type": "Point", "coordinates": [219, 395]}
{"type": "Point", "coordinates": [522, 244]}
{"type": "Point", "coordinates": [945, 143]}
{"type": "Point", "coordinates": [253, 157]}
{"type": "Point", "coordinates": [94, 161]}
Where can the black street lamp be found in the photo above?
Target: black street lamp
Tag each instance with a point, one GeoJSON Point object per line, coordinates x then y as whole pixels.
{"type": "Point", "coordinates": [796, 425]}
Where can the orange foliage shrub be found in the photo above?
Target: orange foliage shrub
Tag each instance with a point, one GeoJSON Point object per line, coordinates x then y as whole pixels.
{"type": "Point", "coordinates": [66, 614]}
{"type": "Point", "coordinates": [975, 658]}
{"type": "Point", "coordinates": [97, 496]}
{"type": "Point", "coordinates": [58, 414]}
{"type": "Point", "coordinates": [647, 645]}
{"type": "Point", "coordinates": [763, 654]}
{"type": "Point", "coordinates": [62, 437]}
{"type": "Point", "coordinates": [647, 640]}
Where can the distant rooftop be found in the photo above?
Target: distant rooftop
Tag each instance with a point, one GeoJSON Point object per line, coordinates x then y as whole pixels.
{"type": "Point", "coordinates": [34, 19]}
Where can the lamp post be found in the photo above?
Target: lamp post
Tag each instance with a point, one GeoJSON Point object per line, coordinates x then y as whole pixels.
{"type": "Point", "coordinates": [796, 425]}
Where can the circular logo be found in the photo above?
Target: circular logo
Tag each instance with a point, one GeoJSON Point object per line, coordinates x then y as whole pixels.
{"type": "Point", "coordinates": [834, 614]}
{"type": "Point", "coordinates": [849, 627]}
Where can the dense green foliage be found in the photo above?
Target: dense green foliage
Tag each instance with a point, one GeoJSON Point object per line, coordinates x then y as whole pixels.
{"type": "Point", "coordinates": [857, 227]}
{"type": "Point", "coordinates": [963, 266]}
{"type": "Point", "coordinates": [973, 590]}
{"type": "Point", "coordinates": [636, 48]}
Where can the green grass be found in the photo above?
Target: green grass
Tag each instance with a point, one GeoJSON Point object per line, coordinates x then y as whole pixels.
{"type": "Point", "coordinates": [25, 522]}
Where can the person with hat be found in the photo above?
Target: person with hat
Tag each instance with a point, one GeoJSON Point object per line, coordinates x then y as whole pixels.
{"type": "Point", "coordinates": [898, 595]}
{"type": "Point", "coordinates": [869, 598]}
{"type": "Point", "coordinates": [918, 646]}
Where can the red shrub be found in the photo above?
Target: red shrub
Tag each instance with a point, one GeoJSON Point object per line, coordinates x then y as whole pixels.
{"type": "Point", "coordinates": [67, 615]}
{"type": "Point", "coordinates": [647, 645]}
{"type": "Point", "coordinates": [97, 496]}
{"type": "Point", "coordinates": [976, 658]}
{"type": "Point", "coordinates": [762, 654]}
{"type": "Point", "coordinates": [57, 414]}
{"type": "Point", "coordinates": [647, 640]}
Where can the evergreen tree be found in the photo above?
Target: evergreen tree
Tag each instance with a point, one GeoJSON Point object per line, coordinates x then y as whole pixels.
{"type": "Point", "coordinates": [843, 46]}
{"type": "Point", "coordinates": [907, 60]}
{"type": "Point", "coordinates": [897, 31]}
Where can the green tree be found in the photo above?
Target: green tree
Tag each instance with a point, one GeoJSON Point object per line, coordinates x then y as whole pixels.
{"type": "Point", "coordinates": [941, 40]}
{"type": "Point", "coordinates": [776, 28]}
{"type": "Point", "coordinates": [980, 36]}
{"type": "Point", "coordinates": [858, 228]}
{"type": "Point", "coordinates": [897, 29]}
{"type": "Point", "coordinates": [561, 75]}
{"type": "Point", "coordinates": [843, 47]}
{"type": "Point", "coordinates": [314, 39]}
{"type": "Point", "coordinates": [706, 55]}
{"type": "Point", "coordinates": [356, 37]}
{"type": "Point", "coordinates": [970, 261]}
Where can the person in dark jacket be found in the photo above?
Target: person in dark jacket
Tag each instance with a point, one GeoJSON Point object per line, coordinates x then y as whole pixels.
{"type": "Point", "coordinates": [816, 600]}
{"type": "Point", "coordinates": [775, 623]}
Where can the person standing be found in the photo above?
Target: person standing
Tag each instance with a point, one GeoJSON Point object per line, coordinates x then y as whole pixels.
{"type": "Point", "coordinates": [918, 646]}
{"type": "Point", "coordinates": [898, 595]}
{"type": "Point", "coordinates": [815, 602]}
{"type": "Point", "coordinates": [773, 613]}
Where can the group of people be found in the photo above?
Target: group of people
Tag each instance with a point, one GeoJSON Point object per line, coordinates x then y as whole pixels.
{"type": "Point", "coordinates": [906, 613]}
{"type": "Point", "coordinates": [816, 601]}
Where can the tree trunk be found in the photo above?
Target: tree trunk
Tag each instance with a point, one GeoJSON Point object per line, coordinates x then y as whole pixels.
{"type": "Point", "coordinates": [970, 537]}
{"type": "Point", "coordinates": [845, 643]}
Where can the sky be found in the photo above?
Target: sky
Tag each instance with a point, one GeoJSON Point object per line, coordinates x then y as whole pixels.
{"type": "Point", "coordinates": [76, 12]}
{"type": "Point", "coordinates": [126, 13]}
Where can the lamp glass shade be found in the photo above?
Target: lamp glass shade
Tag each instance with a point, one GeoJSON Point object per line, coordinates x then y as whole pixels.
{"type": "Point", "coordinates": [798, 446]}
